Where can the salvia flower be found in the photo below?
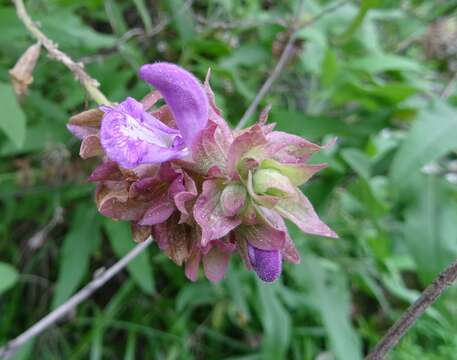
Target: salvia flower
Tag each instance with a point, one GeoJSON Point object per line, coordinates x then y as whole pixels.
{"type": "Point", "coordinates": [202, 190]}
{"type": "Point", "coordinates": [131, 136]}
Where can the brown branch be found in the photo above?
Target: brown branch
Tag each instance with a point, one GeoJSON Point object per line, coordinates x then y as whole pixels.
{"type": "Point", "coordinates": [12, 346]}
{"type": "Point", "coordinates": [89, 83]}
{"type": "Point", "coordinates": [443, 281]}
{"type": "Point", "coordinates": [285, 55]}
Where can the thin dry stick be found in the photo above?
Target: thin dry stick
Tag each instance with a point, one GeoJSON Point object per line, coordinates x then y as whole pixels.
{"type": "Point", "coordinates": [444, 280]}
{"type": "Point", "coordinates": [90, 84]}
{"type": "Point", "coordinates": [12, 346]}
{"type": "Point", "coordinates": [285, 55]}
{"type": "Point", "coordinates": [450, 87]}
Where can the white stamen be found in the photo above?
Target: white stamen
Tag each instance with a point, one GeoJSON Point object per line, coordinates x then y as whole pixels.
{"type": "Point", "coordinates": [135, 129]}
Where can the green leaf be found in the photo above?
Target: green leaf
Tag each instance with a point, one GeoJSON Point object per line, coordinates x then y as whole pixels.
{"type": "Point", "coordinates": [385, 62]}
{"type": "Point", "coordinates": [276, 322]}
{"type": "Point", "coordinates": [330, 295]}
{"type": "Point", "coordinates": [311, 127]}
{"type": "Point", "coordinates": [182, 20]}
{"type": "Point", "coordinates": [394, 283]}
{"type": "Point", "coordinates": [11, 26]}
{"type": "Point", "coordinates": [195, 294]}
{"type": "Point", "coordinates": [8, 276]}
{"type": "Point", "coordinates": [433, 135]}
{"type": "Point", "coordinates": [431, 229]}
{"type": "Point", "coordinates": [365, 5]}
{"type": "Point", "coordinates": [358, 161]}
{"type": "Point", "coordinates": [373, 96]}
{"type": "Point", "coordinates": [38, 136]}
{"type": "Point", "coordinates": [247, 55]}
{"type": "Point", "coordinates": [13, 119]}
{"type": "Point", "coordinates": [79, 243]}
{"type": "Point", "coordinates": [114, 12]}
{"type": "Point", "coordinates": [236, 290]}
{"type": "Point", "coordinates": [25, 351]}
{"type": "Point", "coordinates": [140, 268]}
{"type": "Point", "coordinates": [131, 346]}
{"type": "Point", "coordinates": [366, 193]}
{"type": "Point", "coordinates": [329, 68]}
{"type": "Point", "coordinates": [144, 14]}
{"type": "Point", "coordinates": [68, 30]}
{"type": "Point", "coordinates": [392, 91]}
{"type": "Point", "coordinates": [316, 44]}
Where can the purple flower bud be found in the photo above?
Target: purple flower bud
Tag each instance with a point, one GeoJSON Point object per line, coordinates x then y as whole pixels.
{"type": "Point", "coordinates": [266, 263]}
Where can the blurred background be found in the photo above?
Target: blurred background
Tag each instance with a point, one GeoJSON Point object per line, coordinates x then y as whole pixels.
{"type": "Point", "coordinates": [379, 75]}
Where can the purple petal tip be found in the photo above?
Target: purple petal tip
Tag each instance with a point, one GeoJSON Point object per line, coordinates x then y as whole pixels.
{"type": "Point", "coordinates": [266, 263]}
{"type": "Point", "coordinates": [184, 95]}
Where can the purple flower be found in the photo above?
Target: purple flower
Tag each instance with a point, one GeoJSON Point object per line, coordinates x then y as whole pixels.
{"type": "Point", "coordinates": [204, 191]}
{"type": "Point", "coordinates": [251, 186]}
{"type": "Point", "coordinates": [131, 136]}
{"type": "Point", "coordinates": [184, 95]}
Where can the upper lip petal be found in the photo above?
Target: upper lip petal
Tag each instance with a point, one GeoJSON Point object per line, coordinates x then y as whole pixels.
{"type": "Point", "coordinates": [184, 95]}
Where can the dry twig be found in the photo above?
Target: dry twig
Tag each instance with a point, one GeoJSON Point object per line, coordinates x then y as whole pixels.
{"type": "Point", "coordinates": [12, 346]}
{"type": "Point", "coordinates": [445, 279]}
{"type": "Point", "coordinates": [37, 240]}
{"type": "Point", "coordinates": [285, 55]}
{"type": "Point", "coordinates": [89, 83]}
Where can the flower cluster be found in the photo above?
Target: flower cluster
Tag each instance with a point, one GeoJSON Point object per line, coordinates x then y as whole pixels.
{"type": "Point", "coordinates": [203, 191]}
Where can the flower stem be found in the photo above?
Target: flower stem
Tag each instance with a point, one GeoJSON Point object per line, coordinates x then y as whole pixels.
{"type": "Point", "coordinates": [443, 281]}
{"type": "Point", "coordinates": [12, 346]}
{"type": "Point", "coordinates": [89, 83]}
{"type": "Point", "coordinates": [283, 59]}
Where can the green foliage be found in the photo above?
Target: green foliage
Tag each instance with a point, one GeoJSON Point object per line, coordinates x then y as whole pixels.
{"type": "Point", "coordinates": [276, 323]}
{"type": "Point", "coordinates": [329, 294]}
{"type": "Point", "coordinates": [80, 241]}
{"type": "Point", "coordinates": [121, 240]}
{"type": "Point", "coordinates": [8, 276]}
{"type": "Point", "coordinates": [13, 122]}
{"type": "Point", "coordinates": [433, 220]}
{"type": "Point", "coordinates": [363, 72]}
{"type": "Point", "coordinates": [143, 11]}
{"type": "Point", "coordinates": [432, 136]}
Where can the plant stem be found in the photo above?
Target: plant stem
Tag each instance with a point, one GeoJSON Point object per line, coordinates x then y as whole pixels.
{"type": "Point", "coordinates": [285, 55]}
{"type": "Point", "coordinates": [12, 346]}
{"type": "Point", "coordinates": [443, 281]}
{"type": "Point", "coordinates": [89, 83]}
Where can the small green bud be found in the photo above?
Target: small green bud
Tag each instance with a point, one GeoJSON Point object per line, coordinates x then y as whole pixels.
{"type": "Point", "coordinates": [272, 182]}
